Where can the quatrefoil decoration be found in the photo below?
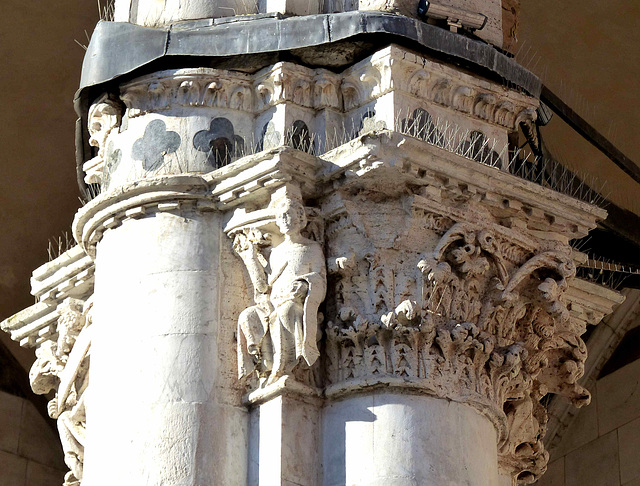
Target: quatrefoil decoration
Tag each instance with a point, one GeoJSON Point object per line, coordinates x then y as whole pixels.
{"type": "Point", "coordinates": [156, 142]}
{"type": "Point", "coordinates": [219, 142]}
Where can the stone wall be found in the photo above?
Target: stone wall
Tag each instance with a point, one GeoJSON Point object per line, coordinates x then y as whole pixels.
{"type": "Point", "coordinates": [601, 447]}
{"type": "Point", "coordinates": [30, 452]}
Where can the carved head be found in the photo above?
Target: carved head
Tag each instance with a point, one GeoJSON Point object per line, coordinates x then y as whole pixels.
{"type": "Point", "coordinates": [290, 216]}
{"type": "Point", "coordinates": [70, 323]}
{"type": "Point", "coordinates": [104, 115]}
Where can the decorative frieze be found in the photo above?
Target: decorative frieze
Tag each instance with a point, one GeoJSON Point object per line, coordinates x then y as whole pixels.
{"type": "Point", "coordinates": [287, 82]}
{"type": "Point", "coordinates": [199, 87]}
{"type": "Point", "coordinates": [395, 69]}
{"type": "Point", "coordinates": [234, 114]}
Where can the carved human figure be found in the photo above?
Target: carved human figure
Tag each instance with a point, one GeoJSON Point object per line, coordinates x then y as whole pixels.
{"type": "Point", "coordinates": [104, 116]}
{"type": "Point", "coordinates": [63, 365]}
{"type": "Point", "coordinates": [281, 329]}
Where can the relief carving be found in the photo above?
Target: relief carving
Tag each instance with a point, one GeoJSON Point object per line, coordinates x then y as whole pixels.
{"type": "Point", "coordinates": [279, 333]}
{"type": "Point", "coordinates": [105, 115]}
{"type": "Point", "coordinates": [483, 323]}
{"type": "Point", "coordinates": [63, 365]}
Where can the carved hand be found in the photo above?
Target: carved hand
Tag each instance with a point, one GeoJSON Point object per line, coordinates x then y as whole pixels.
{"type": "Point", "coordinates": [52, 408]}
{"type": "Point", "coordinates": [342, 265]}
{"type": "Point", "coordinates": [241, 244]}
{"type": "Point", "coordinates": [299, 289]}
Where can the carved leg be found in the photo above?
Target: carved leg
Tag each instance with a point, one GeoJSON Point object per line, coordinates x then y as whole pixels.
{"type": "Point", "coordinates": [251, 335]}
{"type": "Point", "coordinates": [253, 328]}
{"type": "Point", "coordinates": [73, 449]}
{"type": "Point", "coordinates": [282, 329]}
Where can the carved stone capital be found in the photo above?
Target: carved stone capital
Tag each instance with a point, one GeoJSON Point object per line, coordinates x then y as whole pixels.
{"type": "Point", "coordinates": [445, 291]}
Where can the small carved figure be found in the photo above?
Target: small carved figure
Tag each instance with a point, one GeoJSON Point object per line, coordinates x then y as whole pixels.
{"type": "Point", "coordinates": [281, 329]}
{"type": "Point", "coordinates": [326, 93]}
{"type": "Point", "coordinates": [105, 116]}
{"type": "Point", "coordinates": [63, 365]}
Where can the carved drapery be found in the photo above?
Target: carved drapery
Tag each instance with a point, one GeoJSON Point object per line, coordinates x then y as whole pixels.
{"type": "Point", "coordinates": [278, 336]}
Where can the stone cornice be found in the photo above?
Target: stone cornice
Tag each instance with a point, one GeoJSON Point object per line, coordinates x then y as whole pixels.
{"type": "Point", "coordinates": [71, 275]}
{"type": "Point", "coordinates": [109, 210]}
{"type": "Point", "coordinates": [591, 302]}
{"type": "Point", "coordinates": [507, 197]}
{"type": "Point", "coordinates": [256, 176]}
{"type": "Point", "coordinates": [601, 345]}
{"type": "Point", "coordinates": [395, 69]}
{"type": "Point", "coordinates": [252, 178]}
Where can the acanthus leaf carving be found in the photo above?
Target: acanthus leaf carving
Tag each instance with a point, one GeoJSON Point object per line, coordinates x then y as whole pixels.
{"type": "Point", "coordinates": [487, 325]}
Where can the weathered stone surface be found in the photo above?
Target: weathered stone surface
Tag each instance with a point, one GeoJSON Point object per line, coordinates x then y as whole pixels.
{"type": "Point", "coordinates": [40, 475]}
{"type": "Point", "coordinates": [595, 463]}
{"type": "Point", "coordinates": [629, 445]}
{"type": "Point", "coordinates": [14, 468]}
{"type": "Point", "coordinates": [388, 438]}
{"type": "Point", "coordinates": [285, 442]}
{"type": "Point", "coordinates": [554, 475]}
{"type": "Point", "coordinates": [583, 429]}
{"type": "Point", "coordinates": [10, 409]}
{"type": "Point", "coordinates": [235, 275]}
{"type": "Point", "coordinates": [619, 397]}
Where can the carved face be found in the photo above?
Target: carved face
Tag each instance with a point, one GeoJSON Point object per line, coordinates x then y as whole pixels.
{"type": "Point", "coordinates": [290, 217]}
{"type": "Point", "coordinates": [69, 326]}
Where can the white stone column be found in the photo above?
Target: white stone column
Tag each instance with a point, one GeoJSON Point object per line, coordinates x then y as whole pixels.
{"type": "Point", "coordinates": [386, 438]}
{"type": "Point", "coordinates": [154, 13]}
{"type": "Point", "coordinates": [158, 411]}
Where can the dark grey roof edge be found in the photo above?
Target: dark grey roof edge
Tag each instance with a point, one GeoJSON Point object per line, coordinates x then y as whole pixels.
{"type": "Point", "coordinates": [118, 48]}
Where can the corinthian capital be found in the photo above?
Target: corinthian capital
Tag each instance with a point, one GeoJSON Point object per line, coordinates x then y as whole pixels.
{"type": "Point", "coordinates": [442, 295]}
